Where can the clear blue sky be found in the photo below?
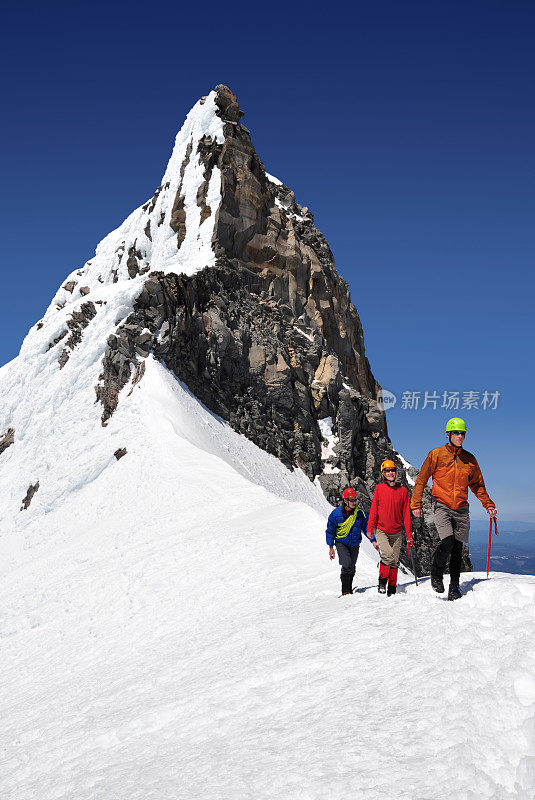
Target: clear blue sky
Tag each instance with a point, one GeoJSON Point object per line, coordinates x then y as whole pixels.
{"type": "Point", "coordinates": [406, 127]}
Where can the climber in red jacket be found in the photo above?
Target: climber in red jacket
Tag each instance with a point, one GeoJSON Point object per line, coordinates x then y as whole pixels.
{"type": "Point", "coordinates": [390, 510]}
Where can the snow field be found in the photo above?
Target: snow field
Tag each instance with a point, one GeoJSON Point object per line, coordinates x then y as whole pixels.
{"type": "Point", "coordinates": [171, 629]}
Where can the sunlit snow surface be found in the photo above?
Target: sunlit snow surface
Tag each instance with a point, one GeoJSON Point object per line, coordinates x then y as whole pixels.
{"type": "Point", "coordinates": [171, 629]}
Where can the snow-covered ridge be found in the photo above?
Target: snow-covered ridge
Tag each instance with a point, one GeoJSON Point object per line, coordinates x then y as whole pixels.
{"type": "Point", "coordinates": [408, 466]}
{"type": "Point", "coordinates": [48, 392]}
{"type": "Point", "coordinates": [145, 240]}
{"type": "Point", "coordinates": [274, 180]}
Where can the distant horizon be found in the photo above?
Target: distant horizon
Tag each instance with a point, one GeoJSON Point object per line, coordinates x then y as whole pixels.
{"type": "Point", "coordinates": [509, 521]}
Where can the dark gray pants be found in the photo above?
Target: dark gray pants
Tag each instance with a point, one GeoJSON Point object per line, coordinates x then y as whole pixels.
{"type": "Point", "coordinates": [347, 557]}
{"type": "Point", "coordinates": [452, 522]}
{"type": "Point", "coordinates": [453, 528]}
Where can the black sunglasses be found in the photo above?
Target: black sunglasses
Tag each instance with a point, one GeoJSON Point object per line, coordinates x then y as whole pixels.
{"type": "Point", "coordinates": [458, 433]}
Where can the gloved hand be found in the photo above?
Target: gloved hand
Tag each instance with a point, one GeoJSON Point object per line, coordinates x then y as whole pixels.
{"type": "Point", "coordinates": [373, 540]}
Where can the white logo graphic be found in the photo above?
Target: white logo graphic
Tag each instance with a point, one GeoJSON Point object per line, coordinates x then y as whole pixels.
{"type": "Point", "coordinates": [386, 399]}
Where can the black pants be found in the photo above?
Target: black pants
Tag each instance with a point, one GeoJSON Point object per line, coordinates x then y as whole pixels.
{"type": "Point", "coordinates": [347, 557]}
{"type": "Point", "coordinates": [451, 548]}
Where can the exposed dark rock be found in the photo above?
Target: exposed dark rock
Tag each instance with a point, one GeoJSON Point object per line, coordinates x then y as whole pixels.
{"type": "Point", "coordinates": [69, 286]}
{"type": "Point", "coordinates": [209, 152]}
{"type": "Point", "coordinates": [244, 358]}
{"type": "Point", "coordinates": [227, 103]}
{"type": "Point", "coordinates": [135, 259]}
{"type": "Point", "coordinates": [7, 439]}
{"type": "Point", "coordinates": [132, 263]}
{"type": "Point", "coordinates": [84, 290]}
{"type": "Point", "coordinates": [149, 207]}
{"type": "Point", "coordinates": [119, 357]}
{"type": "Point", "coordinates": [58, 339]}
{"type": "Point", "coordinates": [178, 213]}
{"type": "Point", "coordinates": [29, 495]}
{"type": "Point", "coordinates": [76, 324]}
{"type": "Point", "coordinates": [120, 453]}
{"type": "Point", "coordinates": [139, 371]}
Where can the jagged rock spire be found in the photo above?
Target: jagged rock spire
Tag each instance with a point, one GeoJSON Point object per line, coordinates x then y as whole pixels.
{"type": "Point", "coordinates": [266, 334]}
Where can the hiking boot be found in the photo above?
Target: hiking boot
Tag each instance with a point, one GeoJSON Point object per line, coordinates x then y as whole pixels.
{"type": "Point", "coordinates": [454, 593]}
{"type": "Point", "coordinates": [347, 584]}
{"type": "Point", "coordinates": [391, 590]}
{"type": "Point", "coordinates": [381, 588]}
{"type": "Point", "coordinates": [437, 584]}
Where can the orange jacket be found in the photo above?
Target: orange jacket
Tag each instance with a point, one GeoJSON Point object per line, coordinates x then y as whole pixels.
{"type": "Point", "coordinates": [453, 471]}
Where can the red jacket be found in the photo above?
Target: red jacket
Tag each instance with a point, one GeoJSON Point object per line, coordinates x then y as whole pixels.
{"type": "Point", "coordinates": [390, 509]}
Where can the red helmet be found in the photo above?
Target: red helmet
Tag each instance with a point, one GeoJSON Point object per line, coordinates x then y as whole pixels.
{"type": "Point", "coordinates": [349, 494]}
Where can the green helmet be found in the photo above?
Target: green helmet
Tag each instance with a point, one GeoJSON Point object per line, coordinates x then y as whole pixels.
{"type": "Point", "coordinates": [455, 424]}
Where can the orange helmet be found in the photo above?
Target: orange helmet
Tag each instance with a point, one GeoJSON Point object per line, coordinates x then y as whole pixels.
{"type": "Point", "coordinates": [388, 465]}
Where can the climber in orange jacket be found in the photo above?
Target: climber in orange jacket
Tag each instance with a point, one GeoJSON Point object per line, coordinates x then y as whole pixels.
{"type": "Point", "coordinates": [454, 470]}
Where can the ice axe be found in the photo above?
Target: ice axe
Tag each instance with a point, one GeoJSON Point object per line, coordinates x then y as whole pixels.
{"type": "Point", "coordinates": [411, 548]}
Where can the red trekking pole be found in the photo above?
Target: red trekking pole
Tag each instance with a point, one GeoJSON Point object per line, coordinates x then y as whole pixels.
{"type": "Point", "coordinates": [490, 539]}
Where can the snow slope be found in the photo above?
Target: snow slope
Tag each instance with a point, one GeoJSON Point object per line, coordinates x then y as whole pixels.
{"type": "Point", "coordinates": [52, 409]}
{"type": "Point", "coordinates": [170, 628]}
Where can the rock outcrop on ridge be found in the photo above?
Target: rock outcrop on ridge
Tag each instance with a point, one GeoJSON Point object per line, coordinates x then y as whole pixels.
{"type": "Point", "coordinates": [267, 337]}
{"type": "Point", "coordinates": [234, 289]}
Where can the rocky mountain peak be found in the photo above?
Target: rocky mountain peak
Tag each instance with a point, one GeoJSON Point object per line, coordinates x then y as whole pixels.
{"type": "Point", "coordinates": [266, 334]}
{"type": "Point", "coordinates": [223, 277]}
{"type": "Point", "coordinates": [227, 104]}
